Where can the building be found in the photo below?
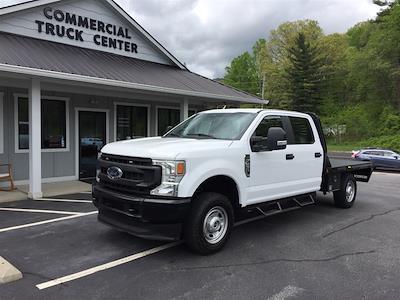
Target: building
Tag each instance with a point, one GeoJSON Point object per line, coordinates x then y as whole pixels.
{"type": "Point", "coordinates": [77, 74]}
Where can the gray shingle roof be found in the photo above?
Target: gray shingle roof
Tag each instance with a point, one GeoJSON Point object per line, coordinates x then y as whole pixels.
{"type": "Point", "coordinates": [44, 55]}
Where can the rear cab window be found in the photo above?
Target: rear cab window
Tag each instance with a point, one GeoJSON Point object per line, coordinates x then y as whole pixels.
{"type": "Point", "coordinates": [302, 131]}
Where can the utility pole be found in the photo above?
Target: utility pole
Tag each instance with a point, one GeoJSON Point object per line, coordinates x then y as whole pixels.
{"type": "Point", "coordinates": [263, 90]}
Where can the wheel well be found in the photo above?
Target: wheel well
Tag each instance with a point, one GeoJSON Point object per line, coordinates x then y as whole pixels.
{"type": "Point", "coordinates": [223, 185]}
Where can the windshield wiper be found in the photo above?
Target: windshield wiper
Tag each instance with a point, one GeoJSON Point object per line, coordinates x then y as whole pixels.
{"type": "Point", "coordinates": [202, 135]}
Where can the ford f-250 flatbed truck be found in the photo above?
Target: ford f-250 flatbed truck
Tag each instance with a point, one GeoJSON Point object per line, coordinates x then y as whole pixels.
{"type": "Point", "coordinates": [202, 176]}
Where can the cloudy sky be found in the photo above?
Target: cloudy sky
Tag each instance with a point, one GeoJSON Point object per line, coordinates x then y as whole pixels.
{"type": "Point", "coordinates": [207, 34]}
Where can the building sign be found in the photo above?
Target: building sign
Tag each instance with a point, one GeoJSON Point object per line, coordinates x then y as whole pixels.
{"type": "Point", "coordinates": [70, 25]}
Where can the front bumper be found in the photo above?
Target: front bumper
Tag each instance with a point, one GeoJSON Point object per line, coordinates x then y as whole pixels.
{"type": "Point", "coordinates": [143, 216]}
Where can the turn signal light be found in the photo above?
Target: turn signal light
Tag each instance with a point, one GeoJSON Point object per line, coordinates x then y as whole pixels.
{"type": "Point", "coordinates": [180, 168]}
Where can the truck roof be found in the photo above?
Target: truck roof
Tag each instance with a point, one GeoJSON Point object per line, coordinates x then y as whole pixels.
{"type": "Point", "coordinates": [254, 111]}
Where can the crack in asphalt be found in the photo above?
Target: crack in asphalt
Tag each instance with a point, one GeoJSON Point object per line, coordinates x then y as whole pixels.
{"type": "Point", "coordinates": [263, 262]}
{"type": "Point", "coordinates": [360, 221]}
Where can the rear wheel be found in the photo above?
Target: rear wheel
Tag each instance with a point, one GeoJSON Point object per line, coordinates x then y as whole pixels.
{"type": "Point", "coordinates": [209, 223]}
{"type": "Point", "coordinates": [345, 197]}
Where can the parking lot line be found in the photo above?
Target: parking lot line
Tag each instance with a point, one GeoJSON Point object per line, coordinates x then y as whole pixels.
{"type": "Point", "coordinates": [47, 221]}
{"type": "Point", "coordinates": [105, 266]}
{"type": "Point", "coordinates": [63, 200]}
{"type": "Point", "coordinates": [39, 211]}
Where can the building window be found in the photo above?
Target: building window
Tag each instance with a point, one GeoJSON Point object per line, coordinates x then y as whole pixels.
{"type": "Point", "coordinates": [167, 117]}
{"type": "Point", "coordinates": [1, 124]}
{"type": "Point", "coordinates": [132, 122]}
{"type": "Point", "coordinates": [53, 123]}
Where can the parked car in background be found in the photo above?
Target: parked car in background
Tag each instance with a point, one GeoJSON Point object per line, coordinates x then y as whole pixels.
{"type": "Point", "coordinates": [381, 158]}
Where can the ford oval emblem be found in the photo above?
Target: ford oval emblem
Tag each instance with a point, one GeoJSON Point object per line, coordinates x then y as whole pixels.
{"type": "Point", "coordinates": [114, 173]}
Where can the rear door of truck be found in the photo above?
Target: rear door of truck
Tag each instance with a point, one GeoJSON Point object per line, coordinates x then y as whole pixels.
{"type": "Point", "coordinates": [305, 153]}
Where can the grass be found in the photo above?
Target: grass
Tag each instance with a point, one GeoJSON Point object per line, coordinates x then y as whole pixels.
{"type": "Point", "coordinates": [343, 147]}
{"type": "Point", "coordinates": [390, 142]}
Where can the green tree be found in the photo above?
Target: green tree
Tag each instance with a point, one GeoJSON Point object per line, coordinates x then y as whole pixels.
{"type": "Point", "coordinates": [304, 75]}
{"type": "Point", "coordinates": [277, 61]}
{"type": "Point", "coordinates": [242, 74]}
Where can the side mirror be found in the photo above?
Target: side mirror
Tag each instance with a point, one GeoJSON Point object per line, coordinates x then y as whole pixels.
{"type": "Point", "coordinates": [276, 139]}
{"type": "Point", "coordinates": [258, 143]}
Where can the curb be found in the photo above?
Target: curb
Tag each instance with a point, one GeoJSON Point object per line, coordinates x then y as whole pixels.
{"type": "Point", "coordinates": [8, 273]}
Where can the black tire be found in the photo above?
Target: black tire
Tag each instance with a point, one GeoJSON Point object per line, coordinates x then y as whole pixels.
{"type": "Point", "coordinates": [345, 197]}
{"type": "Point", "coordinates": [210, 206]}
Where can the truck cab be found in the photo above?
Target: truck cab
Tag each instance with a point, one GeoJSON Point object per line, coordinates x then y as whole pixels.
{"type": "Point", "coordinates": [200, 177]}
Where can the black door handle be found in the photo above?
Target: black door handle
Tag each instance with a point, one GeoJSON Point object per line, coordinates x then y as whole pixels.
{"type": "Point", "coordinates": [318, 155]}
{"type": "Point", "coordinates": [289, 156]}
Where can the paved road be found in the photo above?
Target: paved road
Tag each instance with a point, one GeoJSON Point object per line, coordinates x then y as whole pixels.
{"type": "Point", "coordinates": [319, 252]}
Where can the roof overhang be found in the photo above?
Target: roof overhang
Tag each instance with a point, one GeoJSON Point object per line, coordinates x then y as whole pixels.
{"type": "Point", "coordinates": [47, 74]}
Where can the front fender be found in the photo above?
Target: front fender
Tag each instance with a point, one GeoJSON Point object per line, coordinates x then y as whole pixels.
{"type": "Point", "coordinates": [196, 176]}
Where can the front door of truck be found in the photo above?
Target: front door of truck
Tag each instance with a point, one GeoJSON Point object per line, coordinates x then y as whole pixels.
{"type": "Point", "coordinates": [269, 170]}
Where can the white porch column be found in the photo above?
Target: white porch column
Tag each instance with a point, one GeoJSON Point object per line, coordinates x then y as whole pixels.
{"type": "Point", "coordinates": [35, 141]}
{"type": "Point", "coordinates": [184, 109]}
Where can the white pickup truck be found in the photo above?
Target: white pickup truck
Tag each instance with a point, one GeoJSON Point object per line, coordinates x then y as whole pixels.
{"type": "Point", "coordinates": [216, 168]}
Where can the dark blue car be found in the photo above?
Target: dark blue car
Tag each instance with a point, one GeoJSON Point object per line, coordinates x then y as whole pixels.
{"type": "Point", "coordinates": [381, 158]}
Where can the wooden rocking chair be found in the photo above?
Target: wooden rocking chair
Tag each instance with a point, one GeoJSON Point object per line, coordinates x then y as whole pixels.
{"type": "Point", "coordinates": [7, 176]}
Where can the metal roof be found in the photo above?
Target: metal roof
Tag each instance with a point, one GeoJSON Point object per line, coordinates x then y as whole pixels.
{"type": "Point", "coordinates": [79, 63]}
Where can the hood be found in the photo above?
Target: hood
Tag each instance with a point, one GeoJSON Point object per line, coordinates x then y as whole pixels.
{"type": "Point", "coordinates": [163, 148]}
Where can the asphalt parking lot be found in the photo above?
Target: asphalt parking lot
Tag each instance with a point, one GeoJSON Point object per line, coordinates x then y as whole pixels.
{"type": "Point", "coordinates": [318, 252]}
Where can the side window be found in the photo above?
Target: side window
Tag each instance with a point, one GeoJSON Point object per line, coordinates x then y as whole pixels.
{"type": "Point", "coordinates": [388, 154]}
{"type": "Point", "coordinates": [302, 131]}
{"type": "Point", "coordinates": [266, 124]}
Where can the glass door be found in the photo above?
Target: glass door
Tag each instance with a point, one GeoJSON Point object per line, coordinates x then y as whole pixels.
{"type": "Point", "coordinates": [92, 137]}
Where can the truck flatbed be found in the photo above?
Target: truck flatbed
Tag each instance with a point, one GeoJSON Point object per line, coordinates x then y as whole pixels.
{"type": "Point", "coordinates": [337, 168]}
{"type": "Point", "coordinates": [343, 163]}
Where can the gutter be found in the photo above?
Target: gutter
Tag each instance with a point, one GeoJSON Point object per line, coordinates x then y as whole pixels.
{"type": "Point", "coordinates": [116, 83]}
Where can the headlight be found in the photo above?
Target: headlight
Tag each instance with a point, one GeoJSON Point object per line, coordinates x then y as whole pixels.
{"type": "Point", "coordinates": [172, 174]}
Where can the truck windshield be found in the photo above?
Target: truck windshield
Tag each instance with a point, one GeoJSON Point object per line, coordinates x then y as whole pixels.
{"type": "Point", "coordinates": [222, 126]}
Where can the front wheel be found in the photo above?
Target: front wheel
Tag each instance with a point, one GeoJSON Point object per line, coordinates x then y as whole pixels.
{"type": "Point", "coordinates": [345, 197]}
{"type": "Point", "coordinates": [209, 224]}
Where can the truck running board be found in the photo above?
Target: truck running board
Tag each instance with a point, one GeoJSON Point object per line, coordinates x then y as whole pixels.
{"type": "Point", "coordinates": [285, 205]}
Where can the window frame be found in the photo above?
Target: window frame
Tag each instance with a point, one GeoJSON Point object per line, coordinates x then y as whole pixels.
{"type": "Point", "coordinates": [1, 123]}
{"type": "Point", "coordinates": [67, 124]}
{"type": "Point", "coordinates": [130, 104]}
{"type": "Point", "coordinates": [164, 107]}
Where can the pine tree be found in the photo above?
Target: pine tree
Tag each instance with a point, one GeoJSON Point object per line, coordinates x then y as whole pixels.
{"type": "Point", "coordinates": [304, 76]}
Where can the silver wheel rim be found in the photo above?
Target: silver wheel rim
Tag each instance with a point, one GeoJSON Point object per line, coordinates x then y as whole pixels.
{"type": "Point", "coordinates": [350, 191]}
{"type": "Point", "coordinates": [215, 225]}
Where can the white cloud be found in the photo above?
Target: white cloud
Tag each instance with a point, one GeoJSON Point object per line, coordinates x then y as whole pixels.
{"type": "Point", "coordinates": [207, 34]}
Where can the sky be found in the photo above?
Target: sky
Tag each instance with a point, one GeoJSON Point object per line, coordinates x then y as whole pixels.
{"type": "Point", "coordinates": [208, 34]}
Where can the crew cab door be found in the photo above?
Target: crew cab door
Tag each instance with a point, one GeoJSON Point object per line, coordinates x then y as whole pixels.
{"type": "Point", "coordinates": [295, 170]}
{"type": "Point", "coordinates": [268, 169]}
{"type": "Point", "coordinates": [307, 163]}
